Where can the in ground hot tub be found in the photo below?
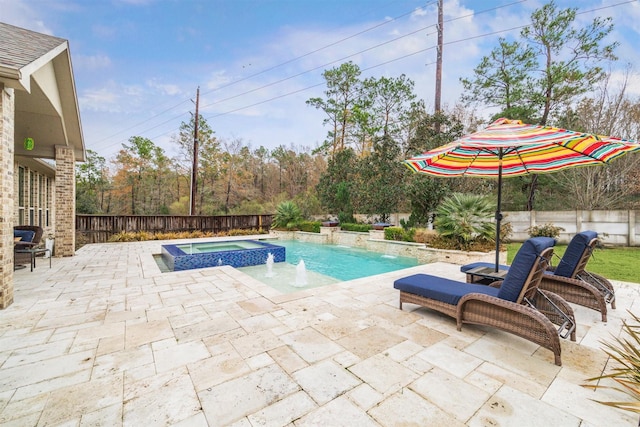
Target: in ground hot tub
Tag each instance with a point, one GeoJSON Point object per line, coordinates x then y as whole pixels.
{"type": "Point", "coordinates": [236, 253]}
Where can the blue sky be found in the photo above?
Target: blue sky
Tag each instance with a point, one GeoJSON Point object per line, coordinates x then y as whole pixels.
{"type": "Point", "coordinates": [137, 63]}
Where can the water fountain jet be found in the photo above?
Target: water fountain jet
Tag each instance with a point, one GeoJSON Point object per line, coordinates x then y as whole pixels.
{"type": "Point", "coordinates": [301, 275]}
{"type": "Point", "coordinates": [269, 265]}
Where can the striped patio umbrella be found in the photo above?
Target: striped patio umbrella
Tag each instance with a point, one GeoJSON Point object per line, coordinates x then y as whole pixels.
{"type": "Point", "coordinates": [510, 148]}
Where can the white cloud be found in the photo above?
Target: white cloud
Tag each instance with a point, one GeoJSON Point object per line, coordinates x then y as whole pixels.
{"type": "Point", "coordinates": [100, 99]}
{"type": "Point", "coordinates": [91, 62]}
{"type": "Point", "coordinates": [165, 88]}
{"type": "Point", "coordinates": [21, 14]}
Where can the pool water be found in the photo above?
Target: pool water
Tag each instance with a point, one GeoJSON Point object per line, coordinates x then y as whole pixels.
{"type": "Point", "coordinates": [207, 247]}
{"type": "Point", "coordinates": [343, 262]}
{"type": "Point", "coordinates": [325, 264]}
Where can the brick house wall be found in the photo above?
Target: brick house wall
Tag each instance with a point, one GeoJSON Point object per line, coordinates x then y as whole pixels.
{"type": "Point", "coordinates": [7, 111]}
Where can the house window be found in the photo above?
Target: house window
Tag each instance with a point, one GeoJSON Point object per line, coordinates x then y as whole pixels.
{"type": "Point", "coordinates": [21, 195]}
{"type": "Point", "coordinates": [47, 198]}
{"type": "Point", "coordinates": [41, 198]}
{"type": "Point", "coordinates": [32, 197]}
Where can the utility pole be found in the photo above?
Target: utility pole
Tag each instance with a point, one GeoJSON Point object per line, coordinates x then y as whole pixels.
{"type": "Point", "coordinates": [439, 65]}
{"type": "Point", "coordinates": [194, 168]}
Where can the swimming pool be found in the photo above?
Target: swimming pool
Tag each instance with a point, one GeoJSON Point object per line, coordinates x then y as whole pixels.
{"type": "Point", "coordinates": [326, 264]}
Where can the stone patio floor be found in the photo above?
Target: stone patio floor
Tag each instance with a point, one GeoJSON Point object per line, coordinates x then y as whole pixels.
{"type": "Point", "coordinates": [104, 339]}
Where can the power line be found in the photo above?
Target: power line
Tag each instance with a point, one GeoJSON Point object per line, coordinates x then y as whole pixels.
{"type": "Point", "coordinates": [371, 67]}
{"type": "Point", "coordinates": [326, 64]}
{"type": "Point", "coordinates": [318, 50]}
{"type": "Point", "coordinates": [357, 53]}
{"type": "Point", "coordinates": [388, 21]}
{"type": "Point", "coordinates": [403, 57]}
{"type": "Point", "coordinates": [319, 66]}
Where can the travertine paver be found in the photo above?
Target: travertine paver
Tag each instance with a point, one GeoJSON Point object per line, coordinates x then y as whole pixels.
{"type": "Point", "coordinates": [503, 405]}
{"type": "Point", "coordinates": [325, 381]}
{"type": "Point", "coordinates": [161, 399]}
{"type": "Point", "coordinates": [104, 338]}
{"type": "Point", "coordinates": [450, 393]}
{"type": "Point", "coordinates": [406, 407]}
{"type": "Point", "coordinates": [243, 396]}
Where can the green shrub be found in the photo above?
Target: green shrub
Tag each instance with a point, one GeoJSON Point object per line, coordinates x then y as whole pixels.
{"type": "Point", "coordinates": [351, 226]}
{"type": "Point", "coordinates": [466, 219]}
{"type": "Point", "coordinates": [399, 234]}
{"type": "Point", "coordinates": [547, 230]}
{"type": "Point", "coordinates": [287, 215]}
{"type": "Point", "coordinates": [123, 236]}
{"type": "Point", "coordinates": [247, 232]}
{"type": "Point", "coordinates": [346, 218]}
{"type": "Point", "coordinates": [424, 235]}
{"type": "Point", "coordinates": [309, 226]}
{"type": "Point", "coordinates": [139, 236]}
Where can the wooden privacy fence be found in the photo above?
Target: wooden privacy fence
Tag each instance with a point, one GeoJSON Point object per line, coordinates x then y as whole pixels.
{"type": "Point", "coordinates": [99, 228]}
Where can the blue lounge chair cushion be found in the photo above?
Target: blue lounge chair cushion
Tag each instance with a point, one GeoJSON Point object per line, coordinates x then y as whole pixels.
{"type": "Point", "coordinates": [522, 265]}
{"type": "Point", "coordinates": [25, 235]}
{"type": "Point", "coordinates": [450, 291]}
{"type": "Point", "coordinates": [440, 289]}
{"type": "Point", "coordinates": [473, 265]}
{"type": "Point", "coordinates": [569, 262]}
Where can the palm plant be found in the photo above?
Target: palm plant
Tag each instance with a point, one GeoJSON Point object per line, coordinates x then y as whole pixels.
{"type": "Point", "coordinates": [466, 218]}
{"type": "Point", "coordinates": [626, 352]}
{"type": "Point", "coordinates": [287, 215]}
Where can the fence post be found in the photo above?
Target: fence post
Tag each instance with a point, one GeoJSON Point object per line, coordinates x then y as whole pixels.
{"type": "Point", "coordinates": [532, 219]}
{"type": "Point", "coordinates": [578, 221]}
{"type": "Point", "coordinates": [631, 238]}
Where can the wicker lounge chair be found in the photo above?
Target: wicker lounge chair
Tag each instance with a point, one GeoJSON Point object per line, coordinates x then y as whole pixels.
{"type": "Point", "coordinates": [569, 279]}
{"type": "Point", "coordinates": [30, 236]}
{"type": "Point", "coordinates": [505, 308]}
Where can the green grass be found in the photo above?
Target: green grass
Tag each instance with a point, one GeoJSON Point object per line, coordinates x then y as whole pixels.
{"type": "Point", "coordinates": [619, 263]}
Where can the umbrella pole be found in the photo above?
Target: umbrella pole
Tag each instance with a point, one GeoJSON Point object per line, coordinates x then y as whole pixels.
{"type": "Point", "coordinates": [498, 213]}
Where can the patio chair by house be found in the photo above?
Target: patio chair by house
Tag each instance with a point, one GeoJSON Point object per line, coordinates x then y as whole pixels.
{"type": "Point", "coordinates": [506, 308]}
{"type": "Point", "coordinates": [569, 279]}
{"type": "Point", "coordinates": [29, 237]}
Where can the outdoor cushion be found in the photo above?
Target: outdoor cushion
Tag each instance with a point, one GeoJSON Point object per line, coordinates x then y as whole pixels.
{"type": "Point", "coordinates": [522, 265]}
{"type": "Point", "coordinates": [572, 256]}
{"type": "Point", "coordinates": [473, 265]}
{"type": "Point", "coordinates": [25, 235]}
{"type": "Point", "coordinates": [440, 289]}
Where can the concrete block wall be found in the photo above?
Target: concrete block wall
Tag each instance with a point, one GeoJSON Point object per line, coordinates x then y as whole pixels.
{"type": "Point", "coordinates": [614, 227]}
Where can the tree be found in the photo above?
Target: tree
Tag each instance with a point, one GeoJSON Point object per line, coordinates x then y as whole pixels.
{"type": "Point", "coordinates": [392, 105]}
{"type": "Point", "coordinates": [557, 61]}
{"type": "Point", "coordinates": [336, 183]}
{"type": "Point", "coordinates": [92, 184]}
{"type": "Point", "coordinates": [504, 79]}
{"type": "Point", "coordinates": [343, 97]}
{"type": "Point", "coordinates": [378, 190]}
{"type": "Point", "coordinates": [423, 191]}
{"type": "Point", "coordinates": [134, 161]}
{"type": "Point", "coordinates": [281, 155]}
{"type": "Point", "coordinates": [425, 136]}
{"type": "Point", "coordinates": [208, 151]}
{"type": "Point", "coordinates": [235, 172]}
{"type": "Point", "coordinates": [614, 186]}
{"type": "Point", "coordinates": [261, 156]}
{"type": "Point", "coordinates": [570, 55]}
